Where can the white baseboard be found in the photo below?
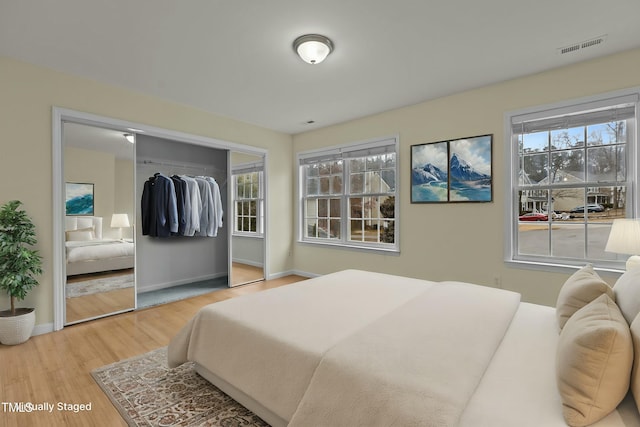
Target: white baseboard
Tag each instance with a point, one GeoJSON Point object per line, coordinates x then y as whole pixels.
{"type": "Point", "coordinates": [294, 272]}
{"type": "Point", "coordinates": [43, 328]}
{"type": "Point", "coordinates": [156, 286]}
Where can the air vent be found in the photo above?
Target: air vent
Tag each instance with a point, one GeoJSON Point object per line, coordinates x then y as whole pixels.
{"type": "Point", "coordinates": [582, 45]}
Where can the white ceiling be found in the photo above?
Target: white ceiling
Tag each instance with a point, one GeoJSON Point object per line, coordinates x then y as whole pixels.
{"type": "Point", "coordinates": [235, 58]}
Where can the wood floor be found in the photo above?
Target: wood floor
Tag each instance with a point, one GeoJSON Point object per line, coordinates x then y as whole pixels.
{"type": "Point", "coordinates": [56, 367]}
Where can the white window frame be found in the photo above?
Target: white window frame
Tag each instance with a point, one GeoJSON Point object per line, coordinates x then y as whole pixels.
{"type": "Point", "coordinates": [241, 169]}
{"type": "Point", "coordinates": [511, 255]}
{"type": "Point", "coordinates": [373, 147]}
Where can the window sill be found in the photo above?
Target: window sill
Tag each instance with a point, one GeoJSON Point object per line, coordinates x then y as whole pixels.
{"type": "Point", "coordinates": [346, 246]}
{"type": "Point", "coordinates": [250, 235]}
{"type": "Point", "coordinates": [560, 268]}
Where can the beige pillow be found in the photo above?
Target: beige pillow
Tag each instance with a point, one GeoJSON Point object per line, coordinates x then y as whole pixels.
{"type": "Point", "coordinates": [81, 234]}
{"type": "Point", "coordinates": [635, 373]}
{"type": "Point", "coordinates": [593, 362]}
{"type": "Point", "coordinates": [627, 292]}
{"type": "Point", "coordinates": [580, 289]}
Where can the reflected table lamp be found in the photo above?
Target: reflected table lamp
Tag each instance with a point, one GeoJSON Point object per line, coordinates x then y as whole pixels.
{"type": "Point", "coordinates": [624, 238]}
{"type": "Point", "coordinates": [120, 221]}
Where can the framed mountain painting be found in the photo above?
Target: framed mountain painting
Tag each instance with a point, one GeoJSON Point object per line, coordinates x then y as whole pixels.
{"type": "Point", "coordinates": [458, 170]}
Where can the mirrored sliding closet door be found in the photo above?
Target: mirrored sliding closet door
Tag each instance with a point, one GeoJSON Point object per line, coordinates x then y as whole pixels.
{"type": "Point", "coordinates": [99, 211]}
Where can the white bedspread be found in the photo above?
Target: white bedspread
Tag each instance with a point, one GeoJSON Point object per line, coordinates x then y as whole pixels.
{"type": "Point", "coordinates": [416, 366]}
{"type": "Point", "coordinates": [356, 348]}
{"type": "Point", "coordinates": [97, 250]}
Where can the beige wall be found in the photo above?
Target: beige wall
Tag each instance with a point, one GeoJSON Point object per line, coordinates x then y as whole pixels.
{"type": "Point", "coordinates": [28, 95]}
{"type": "Point", "coordinates": [462, 241]}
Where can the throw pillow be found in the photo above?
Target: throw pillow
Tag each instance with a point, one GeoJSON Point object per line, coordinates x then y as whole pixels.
{"type": "Point", "coordinates": [580, 289]}
{"type": "Point", "coordinates": [593, 362]}
{"type": "Point", "coordinates": [627, 292]}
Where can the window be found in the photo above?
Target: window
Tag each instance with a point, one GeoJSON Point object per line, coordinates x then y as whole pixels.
{"type": "Point", "coordinates": [573, 171]}
{"type": "Point", "coordinates": [348, 195]}
{"type": "Point", "coordinates": [248, 203]}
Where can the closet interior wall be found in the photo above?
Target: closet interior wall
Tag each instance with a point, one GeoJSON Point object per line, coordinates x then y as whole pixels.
{"type": "Point", "coordinates": [177, 260]}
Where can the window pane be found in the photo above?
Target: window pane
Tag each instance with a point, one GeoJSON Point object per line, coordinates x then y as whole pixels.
{"type": "Point", "coordinates": [253, 208]}
{"type": "Point", "coordinates": [323, 228]}
{"type": "Point", "coordinates": [336, 184]}
{"type": "Point", "coordinates": [335, 228]}
{"type": "Point", "coordinates": [374, 162]}
{"type": "Point", "coordinates": [357, 183]}
{"type": "Point", "coordinates": [387, 207]}
{"type": "Point", "coordinates": [534, 142]}
{"type": "Point", "coordinates": [335, 210]}
{"type": "Point", "coordinates": [606, 163]}
{"type": "Point", "coordinates": [371, 231]}
{"type": "Point", "coordinates": [607, 133]}
{"type": "Point", "coordinates": [567, 166]}
{"type": "Point", "coordinates": [372, 182]}
{"type": "Point", "coordinates": [535, 168]}
{"type": "Point", "coordinates": [312, 208]}
{"type": "Point", "coordinates": [355, 207]}
{"type": "Point", "coordinates": [253, 225]}
{"type": "Point", "coordinates": [311, 227]}
{"type": "Point", "coordinates": [323, 209]}
{"type": "Point", "coordinates": [357, 165]}
{"type": "Point", "coordinates": [356, 232]}
{"type": "Point", "coordinates": [533, 238]}
{"type": "Point", "coordinates": [312, 170]}
{"type": "Point", "coordinates": [324, 185]}
{"type": "Point", "coordinates": [388, 184]}
{"type": "Point", "coordinates": [246, 208]}
{"type": "Point", "coordinates": [567, 239]}
{"type": "Point", "coordinates": [312, 186]}
{"type": "Point", "coordinates": [387, 231]}
{"type": "Point", "coordinates": [567, 138]}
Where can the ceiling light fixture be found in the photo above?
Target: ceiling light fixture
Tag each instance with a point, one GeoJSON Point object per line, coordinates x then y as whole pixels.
{"type": "Point", "coordinates": [312, 48]}
{"type": "Point", "coordinates": [129, 137]}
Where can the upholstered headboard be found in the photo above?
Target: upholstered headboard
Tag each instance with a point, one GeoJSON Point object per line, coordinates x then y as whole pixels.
{"type": "Point", "coordinates": [80, 222]}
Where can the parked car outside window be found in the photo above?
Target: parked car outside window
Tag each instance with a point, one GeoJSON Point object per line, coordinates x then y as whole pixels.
{"type": "Point", "coordinates": [590, 208]}
{"type": "Point", "coordinates": [534, 216]}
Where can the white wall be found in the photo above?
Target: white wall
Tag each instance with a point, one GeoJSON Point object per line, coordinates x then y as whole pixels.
{"type": "Point", "coordinates": [461, 241]}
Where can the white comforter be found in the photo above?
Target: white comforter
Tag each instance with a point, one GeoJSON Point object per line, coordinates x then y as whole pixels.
{"type": "Point", "coordinates": [357, 348]}
{"type": "Point", "coordinates": [97, 250]}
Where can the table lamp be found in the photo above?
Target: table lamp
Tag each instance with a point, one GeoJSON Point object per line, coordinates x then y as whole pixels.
{"type": "Point", "coordinates": [624, 238]}
{"type": "Point", "coordinates": [120, 221]}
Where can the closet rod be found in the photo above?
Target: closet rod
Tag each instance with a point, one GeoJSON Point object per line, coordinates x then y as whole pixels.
{"type": "Point", "coordinates": [176, 165]}
{"type": "Point", "coordinates": [221, 178]}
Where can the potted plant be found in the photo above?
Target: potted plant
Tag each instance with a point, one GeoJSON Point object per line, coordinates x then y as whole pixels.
{"type": "Point", "coordinates": [18, 266]}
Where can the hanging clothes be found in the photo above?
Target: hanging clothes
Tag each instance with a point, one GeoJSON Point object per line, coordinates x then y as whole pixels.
{"type": "Point", "coordinates": [181, 206]}
{"type": "Point", "coordinates": [159, 207]}
{"type": "Point", "coordinates": [194, 205]}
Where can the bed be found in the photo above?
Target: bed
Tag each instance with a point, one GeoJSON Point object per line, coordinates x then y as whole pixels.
{"type": "Point", "coordinates": [88, 252]}
{"type": "Point", "coordinates": [360, 348]}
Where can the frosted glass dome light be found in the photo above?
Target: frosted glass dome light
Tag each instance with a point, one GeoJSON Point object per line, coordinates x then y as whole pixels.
{"type": "Point", "coordinates": [313, 48]}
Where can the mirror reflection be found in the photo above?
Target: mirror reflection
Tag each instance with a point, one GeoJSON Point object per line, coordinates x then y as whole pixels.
{"type": "Point", "coordinates": [99, 215]}
{"type": "Point", "coordinates": [247, 172]}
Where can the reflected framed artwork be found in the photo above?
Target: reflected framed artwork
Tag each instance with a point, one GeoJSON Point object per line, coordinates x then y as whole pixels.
{"type": "Point", "coordinates": [458, 170]}
{"type": "Point", "coordinates": [79, 198]}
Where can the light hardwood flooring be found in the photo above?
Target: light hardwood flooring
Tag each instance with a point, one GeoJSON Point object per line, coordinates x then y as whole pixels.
{"type": "Point", "coordinates": [56, 367]}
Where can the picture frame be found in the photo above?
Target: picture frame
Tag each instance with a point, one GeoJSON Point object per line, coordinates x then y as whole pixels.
{"type": "Point", "coordinates": [453, 171]}
{"type": "Point", "coordinates": [79, 198]}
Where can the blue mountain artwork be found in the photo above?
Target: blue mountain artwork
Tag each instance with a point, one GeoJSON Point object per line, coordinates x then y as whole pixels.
{"type": "Point", "coordinates": [464, 183]}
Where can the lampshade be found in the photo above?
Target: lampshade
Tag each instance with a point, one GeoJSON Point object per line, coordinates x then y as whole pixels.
{"type": "Point", "coordinates": [120, 221]}
{"type": "Point", "coordinates": [624, 238]}
{"type": "Point", "coordinates": [312, 48]}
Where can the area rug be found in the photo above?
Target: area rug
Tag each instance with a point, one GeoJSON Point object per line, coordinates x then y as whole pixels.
{"type": "Point", "coordinates": [147, 393]}
{"type": "Point", "coordinates": [103, 284]}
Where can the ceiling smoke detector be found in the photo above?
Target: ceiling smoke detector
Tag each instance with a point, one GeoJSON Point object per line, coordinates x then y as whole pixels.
{"type": "Point", "coordinates": [582, 45]}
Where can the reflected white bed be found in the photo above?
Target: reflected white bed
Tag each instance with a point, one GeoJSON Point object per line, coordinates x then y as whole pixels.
{"type": "Point", "coordinates": [360, 348]}
{"type": "Point", "coordinates": [88, 252]}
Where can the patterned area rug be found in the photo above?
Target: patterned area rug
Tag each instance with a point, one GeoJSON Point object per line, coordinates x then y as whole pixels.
{"type": "Point", "coordinates": [147, 393]}
{"type": "Point", "coordinates": [103, 284]}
